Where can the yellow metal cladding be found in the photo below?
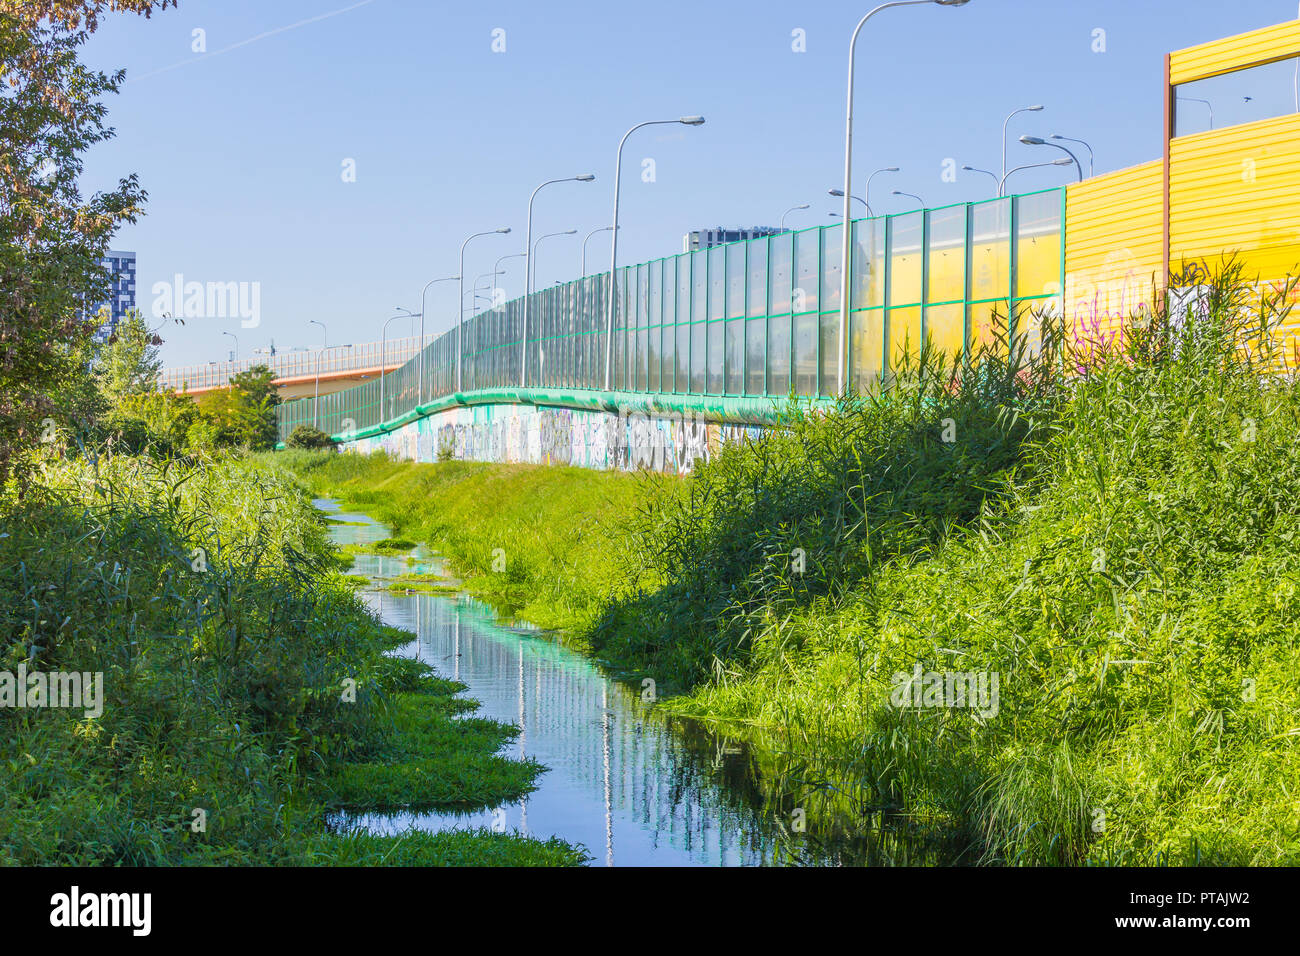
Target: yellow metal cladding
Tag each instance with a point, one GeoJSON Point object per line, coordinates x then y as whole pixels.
{"type": "Point", "coordinates": [1238, 191]}
{"type": "Point", "coordinates": [1114, 229]}
{"type": "Point", "coordinates": [1235, 53]}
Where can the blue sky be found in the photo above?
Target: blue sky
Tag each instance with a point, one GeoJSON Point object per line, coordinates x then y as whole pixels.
{"type": "Point", "coordinates": [242, 150]}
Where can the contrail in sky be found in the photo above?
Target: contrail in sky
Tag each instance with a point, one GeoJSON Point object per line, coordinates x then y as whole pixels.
{"type": "Point", "coordinates": [252, 39]}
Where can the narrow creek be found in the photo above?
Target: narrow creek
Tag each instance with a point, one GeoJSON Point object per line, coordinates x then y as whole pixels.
{"type": "Point", "coordinates": [631, 786]}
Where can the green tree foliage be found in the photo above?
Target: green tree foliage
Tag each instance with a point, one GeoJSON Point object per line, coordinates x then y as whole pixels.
{"type": "Point", "coordinates": [52, 238]}
{"type": "Point", "coordinates": [243, 415]}
{"type": "Point", "coordinates": [129, 364]}
{"type": "Point", "coordinates": [305, 436]}
{"type": "Point", "coordinates": [162, 420]}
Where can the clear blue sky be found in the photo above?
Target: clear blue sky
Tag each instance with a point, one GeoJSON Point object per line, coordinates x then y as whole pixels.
{"type": "Point", "coordinates": [241, 150]}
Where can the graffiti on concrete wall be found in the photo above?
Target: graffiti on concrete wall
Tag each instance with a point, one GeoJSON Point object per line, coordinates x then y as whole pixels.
{"type": "Point", "coordinates": [673, 443]}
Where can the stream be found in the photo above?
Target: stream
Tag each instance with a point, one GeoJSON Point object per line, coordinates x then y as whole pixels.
{"type": "Point", "coordinates": [633, 787]}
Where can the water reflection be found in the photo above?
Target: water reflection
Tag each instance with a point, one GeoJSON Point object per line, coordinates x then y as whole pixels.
{"type": "Point", "coordinates": [632, 787]}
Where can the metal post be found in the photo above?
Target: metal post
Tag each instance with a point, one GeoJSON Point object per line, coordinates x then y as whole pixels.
{"type": "Point", "coordinates": [613, 245]}
{"type": "Point", "coordinates": [460, 301]}
{"type": "Point", "coordinates": [423, 309]}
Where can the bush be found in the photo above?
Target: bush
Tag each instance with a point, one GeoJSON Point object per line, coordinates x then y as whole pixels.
{"type": "Point", "coordinates": [305, 436]}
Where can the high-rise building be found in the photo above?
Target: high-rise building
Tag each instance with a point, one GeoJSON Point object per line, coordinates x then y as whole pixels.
{"type": "Point", "coordinates": [121, 266]}
{"type": "Point", "coordinates": [706, 238]}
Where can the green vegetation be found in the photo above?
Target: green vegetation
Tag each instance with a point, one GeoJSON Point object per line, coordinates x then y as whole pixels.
{"type": "Point", "coordinates": [52, 237]}
{"type": "Point", "coordinates": [305, 436]}
{"type": "Point", "coordinates": [537, 542]}
{"type": "Point", "coordinates": [1116, 544]}
{"type": "Point", "coordinates": [242, 677]}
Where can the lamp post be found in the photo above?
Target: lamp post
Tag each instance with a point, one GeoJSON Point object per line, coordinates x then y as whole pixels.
{"type": "Point", "coordinates": [324, 339]}
{"type": "Point", "coordinates": [528, 264]}
{"type": "Point", "coordinates": [423, 309]}
{"type": "Point", "coordinates": [1002, 186]}
{"type": "Point", "coordinates": [1039, 141]}
{"type": "Point", "coordinates": [549, 235]}
{"type": "Point", "coordinates": [899, 192]}
{"type": "Point", "coordinates": [1023, 109]}
{"type": "Point", "coordinates": [531, 267]}
{"type": "Point", "coordinates": [613, 242]}
{"type": "Point", "coordinates": [846, 245]}
{"type": "Point", "coordinates": [1197, 99]}
{"type": "Point", "coordinates": [315, 402]}
{"type": "Point", "coordinates": [866, 193]}
{"type": "Point", "coordinates": [839, 194]}
{"type": "Point", "coordinates": [383, 359]}
{"type": "Point", "coordinates": [996, 181]}
{"type": "Point", "coordinates": [235, 357]}
{"type": "Point", "coordinates": [460, 301]}
{"type": "Point", "coordinates": [802, 205]}
{"type": "Point", "coordinates": [498, 271]}
{"type": "Point", "coordinates": [583, 265]}
{"type": "Point", "coordinates": [481, 288]}
{"type": "Point", "coordinates": [1091, 158]}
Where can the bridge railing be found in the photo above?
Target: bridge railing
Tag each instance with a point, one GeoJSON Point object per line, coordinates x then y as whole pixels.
{"type": "Point", "coordinates": [758, 318]}
{"type": "Point", "coordinates": [301, 363]}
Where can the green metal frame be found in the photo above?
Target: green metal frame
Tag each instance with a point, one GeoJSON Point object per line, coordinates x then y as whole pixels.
{"type": "Point", "coordinates": [565, 328]}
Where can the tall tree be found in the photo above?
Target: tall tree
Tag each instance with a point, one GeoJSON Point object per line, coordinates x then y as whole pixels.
{"type": "Point", "coordinates": [52, 239]}
{"type": "Point", "coordinates": [129, 362]}
{"type": "Point", "coordinates": [243, 415]}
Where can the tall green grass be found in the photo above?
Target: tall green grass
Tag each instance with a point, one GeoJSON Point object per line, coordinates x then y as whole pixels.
{"type": "Point", "coordinates": [1118, 545]}
{"type": "Point", "coordinates": [206, 596]}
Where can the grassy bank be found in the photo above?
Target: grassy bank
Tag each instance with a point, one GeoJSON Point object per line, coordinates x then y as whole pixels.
{"type": "Point", "coordinates": [1106, 527]}
{"type": "Point", "coordinates": [246, 691]}
{"type": "Point", "coordinates": [540, 542]}
{"type": "Point", "coordinates": [1116, 547]}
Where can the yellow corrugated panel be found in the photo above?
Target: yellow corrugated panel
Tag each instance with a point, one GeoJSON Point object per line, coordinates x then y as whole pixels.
{"type": "Point", "coordinates": [1114, 233]}
{"type": "Point", "coordinates": [1238, 190]}
{"type": "Point", "coordinates": [1235, 53]}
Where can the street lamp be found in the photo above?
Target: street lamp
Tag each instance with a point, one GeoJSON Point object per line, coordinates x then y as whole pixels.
{"type": "Point", "coordinates": [866, 193]}
{"type": "Point", "coordinates": [1091, 158]}
{"type": "Point", "coordinates": [996, 182]}
{"type": "Point", "coordinates": [491, 277]}
{"type": "Point", "coordinates": [1039, 141]}
{"type": "Point", "coordinates": [383, 359]}
{"type": "Point", "coordinates": [236, 338]}
{"type": "Point", "coordinates": [802, 205]}
{"type": "Point", "coordinates": [423, 309]}
{"type": "Point", "coordinates": [528, 265]}
{"type": "Point", "coordinates": [549, 235]}
{"type": "Point", "coordinates": [1024, 109]}
{"type": "Point", "coordinates": [460, 302]}
{"type": "Point", "coordinates": [315, 402]}
{"type": "Point", "coordinates": [324, 339]}
{"type": "Point", "coordinates": [497, 270]}
{"type": "Point", "coordinates": [1197, 99]}
{"type": "Point", "coordinates": [899, 192]}
{"type": "Point", "coordinates": [584, 247]}
{"type": "Point", "coordinates": [523, 372]}
{"type": "Point", "coordinates": [613, 242]}
{"type": "Point", "coordinates": [847, 239]}
{"type": "Point", "coordinates": [839, 193]}
{"type": "Point", "coordinates": [1002, 186]}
